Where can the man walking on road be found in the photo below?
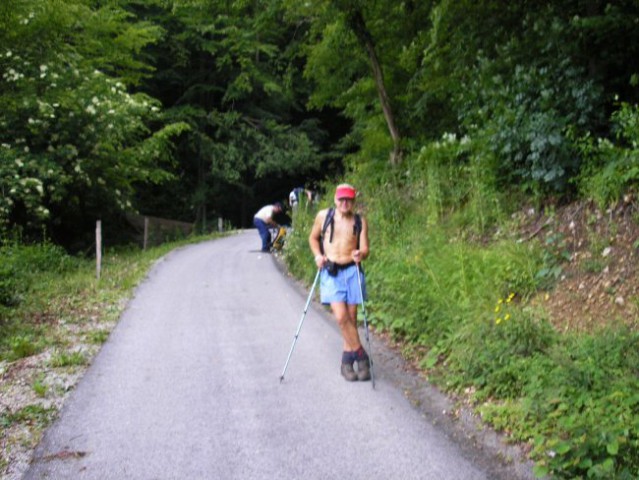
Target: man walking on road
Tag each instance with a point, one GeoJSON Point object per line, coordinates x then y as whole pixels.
{"type": "Point", "coordinates": [262, 219]}
{"type": "Point", "coordinates": [339, 241]}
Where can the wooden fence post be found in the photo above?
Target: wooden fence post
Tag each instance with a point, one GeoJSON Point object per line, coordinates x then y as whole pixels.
{"type": "Point", "coordinates": [204, 218]}
{"type": "Point", "coordinates": [220, 224]}
{"type": "Point", "coordinates": [146, 232]}
{"type": "Point", "coordinates": [98, 248]}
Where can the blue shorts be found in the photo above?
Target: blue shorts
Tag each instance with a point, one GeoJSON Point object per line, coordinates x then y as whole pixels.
{"type": "Point", "coordinates": [343, 287]}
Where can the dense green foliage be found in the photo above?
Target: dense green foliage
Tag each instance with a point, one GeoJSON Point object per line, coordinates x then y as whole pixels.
{"type": "Point", "coordinates": [179, 108]}
{"type": "Point", "coordinates": [20, 263]}
{"type": "Point", "coordinates": [611, 165]}
{"type": "Point", "coordinates": [227, 70]}
{"type": "Point", "coordinates": [74, 140]}
{"type": "Point", "coordinates": [448, 115]}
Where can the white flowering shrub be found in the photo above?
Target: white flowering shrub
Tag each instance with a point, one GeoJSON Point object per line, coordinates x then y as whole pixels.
{"type": "Point", "coordinates": [71, 136]}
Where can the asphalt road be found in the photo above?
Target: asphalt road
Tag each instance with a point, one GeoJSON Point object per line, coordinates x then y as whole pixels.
{"type": "Point", "coordinates": [188, 387]}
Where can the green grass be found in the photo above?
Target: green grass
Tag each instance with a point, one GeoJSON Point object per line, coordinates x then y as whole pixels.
{"type": "Point", "coordinates": [98, 337]}
{"type": "Point", "coordinates": [39, 386]}
{"type": "Point", "coordinates": [63, 359]}
{"type": "Point", "coordinates": [35, 415]}
{"type": "Point", "coordinates": [22, 345]}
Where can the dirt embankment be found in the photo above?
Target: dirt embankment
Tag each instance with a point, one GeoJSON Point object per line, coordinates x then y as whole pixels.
{"type": "Point", "coordinates": [597, 282]}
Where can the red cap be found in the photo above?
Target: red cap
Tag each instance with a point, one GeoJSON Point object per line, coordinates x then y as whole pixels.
{"type": "Point", "coordinates": [345, 191]}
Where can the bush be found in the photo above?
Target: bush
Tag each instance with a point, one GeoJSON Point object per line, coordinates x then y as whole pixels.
{"type": "Point", "coordinates": [18, 264]}
{"type": "Point", "coordinates": [611, 169]}
{"type": "Point", "coordinates": [528, 115]}
{"type": "Point", "coordinates": [22, 346]}
{"type": "Point", "coordinates": [496, 355]}
{"type": "Point", "coordinates": [586, 408]}
{"type": "Point", "coordinates": [297, 254]}
{"type": "Point", "coordinates": [10, 286]}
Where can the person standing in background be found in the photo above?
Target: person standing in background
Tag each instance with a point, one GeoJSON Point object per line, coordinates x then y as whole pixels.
{"type": "Point", "coordinates": [296, 196]}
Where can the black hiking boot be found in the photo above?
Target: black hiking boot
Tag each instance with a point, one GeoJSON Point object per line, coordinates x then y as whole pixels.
{"type": "Point", "coordinates": [348, 372]}
{"type": "Point", "coordinates": [363, 369]}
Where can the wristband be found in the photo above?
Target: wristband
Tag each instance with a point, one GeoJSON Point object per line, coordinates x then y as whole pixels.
{"type": "Point", "coordinates": [318, 256]}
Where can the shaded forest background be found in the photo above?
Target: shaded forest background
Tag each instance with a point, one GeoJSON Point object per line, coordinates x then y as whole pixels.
{"type": "Point", "coordinates": [495, 146]}
{"type": "Point", "coordinates": [196, 109]}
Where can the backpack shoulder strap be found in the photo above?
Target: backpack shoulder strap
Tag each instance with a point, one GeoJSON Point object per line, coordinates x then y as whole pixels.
{"type": "Point", "coordinates": [328, 221]}
{"type": "Point", "coordinates": [357, 228]}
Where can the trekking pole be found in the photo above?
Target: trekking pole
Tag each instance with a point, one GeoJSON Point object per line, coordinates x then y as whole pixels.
{"type": "Point", "coordinates": [368, 341]}
{"type": "Point", "coordinates": [299, 327]}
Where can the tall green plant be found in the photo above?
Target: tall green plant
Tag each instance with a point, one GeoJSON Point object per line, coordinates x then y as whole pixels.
{"type": "Point", "coordinates": [584, 408]}
{"type": "Point", "coordinates": [296, 249]}
{"type": "Point", "coordinates": [527, 122]}
{"type": "Point", "coordinates": [417, 232]}
{"type": "Point", "coordinates": [458, 184]}
{"type": "Point", "coordinates": [612, 167]}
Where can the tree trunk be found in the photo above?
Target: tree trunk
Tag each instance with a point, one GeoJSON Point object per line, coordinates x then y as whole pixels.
{"type": "Point", "coordinates": [356, 22]}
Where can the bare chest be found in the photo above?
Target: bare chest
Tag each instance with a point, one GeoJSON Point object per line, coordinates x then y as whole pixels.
{"type": "Point", "coordinates": [343, 242]}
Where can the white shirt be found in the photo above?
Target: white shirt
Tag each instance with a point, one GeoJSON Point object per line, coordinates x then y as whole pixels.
{"type": "Point", "coordinates": [292, 198]}
{"type": "Point", "coordinates": [265, 214]}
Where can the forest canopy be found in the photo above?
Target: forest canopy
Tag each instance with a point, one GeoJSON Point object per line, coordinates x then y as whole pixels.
{"type": "Point", "coordinates": [192, 108]}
